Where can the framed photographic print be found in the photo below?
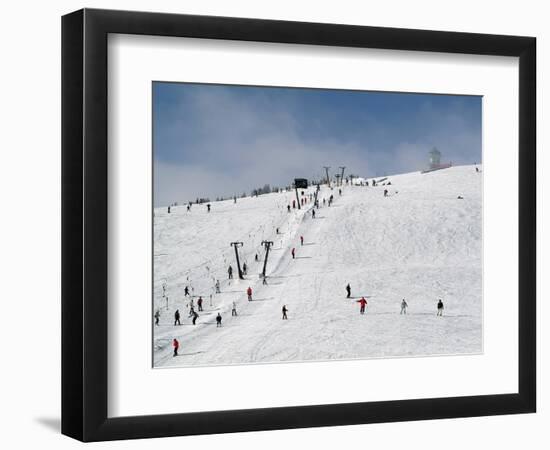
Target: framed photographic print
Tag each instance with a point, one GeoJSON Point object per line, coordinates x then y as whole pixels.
{"type": "Point", "coordinates": [273, 224]}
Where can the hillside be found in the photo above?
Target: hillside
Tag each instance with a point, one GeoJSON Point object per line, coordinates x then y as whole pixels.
{"type": "Point", "coordinates": [420, 243]}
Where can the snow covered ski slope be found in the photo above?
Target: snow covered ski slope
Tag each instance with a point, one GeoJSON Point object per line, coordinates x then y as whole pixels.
{"type": "Point", "coordinates": [421, 243]}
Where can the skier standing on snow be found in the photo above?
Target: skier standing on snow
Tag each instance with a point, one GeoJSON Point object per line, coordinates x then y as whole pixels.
{"type": "Point", "coordinates": [208, 207]}
{"type": "Point", "coordinates": [157, 317]}
{"type": "Point", "coordinates": [218, 320]}
{"type": "Point", "coordinates": [199, 303]}
{"type": "Point", "coordinates": [313, 213]}
{"type": "Point", "coordinates": [385, 192]}
{"type": "Point", "coordinates": [348, 290]}
{"type": "Point", "coordinates": [244, 268]}
{"type": "Point", "coordinates": [168, 210]}
{"type": "Point", "coordinates": [363, 303]}
{"type": "Point", "coordinates": [285, 309]}
{"type": "Point", "coordinates": [234, 309]}
{"type": "Point", "coordinates": [230, 272]}
{"type": "Point", "coordinates": [256, 257]}
{"type": "Point", "coordinates": [293, 251]}
{"type": "Point", "coordinates": [301, 240]}
{"type": "Point", "coordinates": [440, 308]}
{"type": "Point", "coordinates": [217, 286]}
{"type": "Point", "coordinates": [195, 316]}
{"type": "Point", "coordinates": [288, 208]}
{"type": "Point", "coordinates": [177, 317]}
{"type": "Point", "coordinates": [176, 346]}
{"type": "Point", "coordinates": [249, 293]}
{"type": "Point", "coordinates": [403, 307]}
{"type": "Point", "coordinates": [186, 291]}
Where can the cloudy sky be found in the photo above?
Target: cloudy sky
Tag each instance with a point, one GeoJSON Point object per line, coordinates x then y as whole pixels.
{"type": "Point", "coordinates": [218, 140]}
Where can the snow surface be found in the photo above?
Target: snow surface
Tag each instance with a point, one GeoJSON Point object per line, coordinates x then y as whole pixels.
{"type": "Point", "coordinates": [420, 243]}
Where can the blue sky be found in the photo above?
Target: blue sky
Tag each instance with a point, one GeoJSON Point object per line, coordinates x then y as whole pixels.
{"type": "Point", "coordinates": [220, 140]}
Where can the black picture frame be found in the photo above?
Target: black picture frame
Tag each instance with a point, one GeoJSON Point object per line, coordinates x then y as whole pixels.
{"type": "Point", "coordinates": [84, 224]}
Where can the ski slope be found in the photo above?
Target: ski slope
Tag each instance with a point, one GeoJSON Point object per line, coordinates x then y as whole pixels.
{"type": "Point", "coordinates": [420, 243]}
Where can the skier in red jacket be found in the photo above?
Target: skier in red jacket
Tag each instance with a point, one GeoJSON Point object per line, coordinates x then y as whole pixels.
{"type": "Point", "coordinates": [363, 303]}
{"type": "Point", "coordinates": [249, 293]}
{"type": "Point", "coordinates": [176, 346]}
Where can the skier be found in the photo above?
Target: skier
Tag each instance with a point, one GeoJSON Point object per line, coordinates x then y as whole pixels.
{"type": "Point", "coordinates": [177, 317]}
{"type": "Point", "coordinates": [288, 208]}
{"type": "Point", "coordinates": [208, 207]}
{"type": "Point", "coordinates": [188, 208]}
{"type": "Point", "coordinates": [249, 293]}
{"type": "Point", "coordinates": [276, 230]}
{"type": "Point", "coordinates": [244, 268]}
{"type": "Point", "coordinates": [477, 170]}
{"type": "Point", "coordinates": [313, 213]}
{"type": "Point", "coordinates": [403, 307]}
{"type": "Point", "coordinates": [293, 251]}
{"type": "Point", "coordinates": [440, 308]}
{"type": "Point", "coordinates": [186, 291]}
{"type": "Point", "coordinates": [218, 320]}
{"type": "Point", "coordinates": [230, 272]}
{"type": "Point", "coordinates": [256, 257]}
{"type": "Point", "coordinates": [195, 316]}
{"type": "Point", "coordinates": [157, 317]}
{"type": "Point", "coordinates": [385, 192]}
{"type": "Point", "coordinates": [199, 303]}
{"type": "Point", "coordinates": [348, 290]}
{"type": "Point", "coordinates": [363, 303]}
{"type": "Point", "coordinates": [284, 312]}
{"type": "Point", "coordinates": [168, 210]}
{"type": "Point", "coordinates": [217, 286]}
{"type": "Point", "coordinates": [234, 309]}
{"type": "Point", "coordinates": [176, 346]}
{"type": "Point", "coordinates": [301, 240]}
{"type": "Point", "coordinates": [340, 191]}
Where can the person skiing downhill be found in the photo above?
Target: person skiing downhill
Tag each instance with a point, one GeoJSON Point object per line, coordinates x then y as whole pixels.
{"type": "Point", "coordinates": [186, 291]}
{"type": "Point", "coordinates": [363, 303]}
{"type": "Point", "coordinates": [234, 309]}
{"type": "Point", "coordinates": [157, 317]}
{"type": "Point", "coordinates": [348, 290]}
{"type": "Point", "coordinates": [218, 320]}
{"type": "Point", "coordinates": [403, 307]}
{"type": "Point", "coordinates": [301, 240]}
{"type": "Point", "coordinates": [249, 293]}
{"type": "Point", "coordinates": [176, 346]}
{"type": "Point", "coordinates": [177, 317]}
{"type": "Point", "coordinates": [199, 303]}
{"type": "Point", "coordinates": [313, 213]}
{"type": "Point", "coordinates": [230, 272]}
{"type": "Point", "coordinates": [440, 308]}
{"type": "Point", "coordinates": [293, 251]}
{"type": "Point", "coordinates": [285, 310]}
